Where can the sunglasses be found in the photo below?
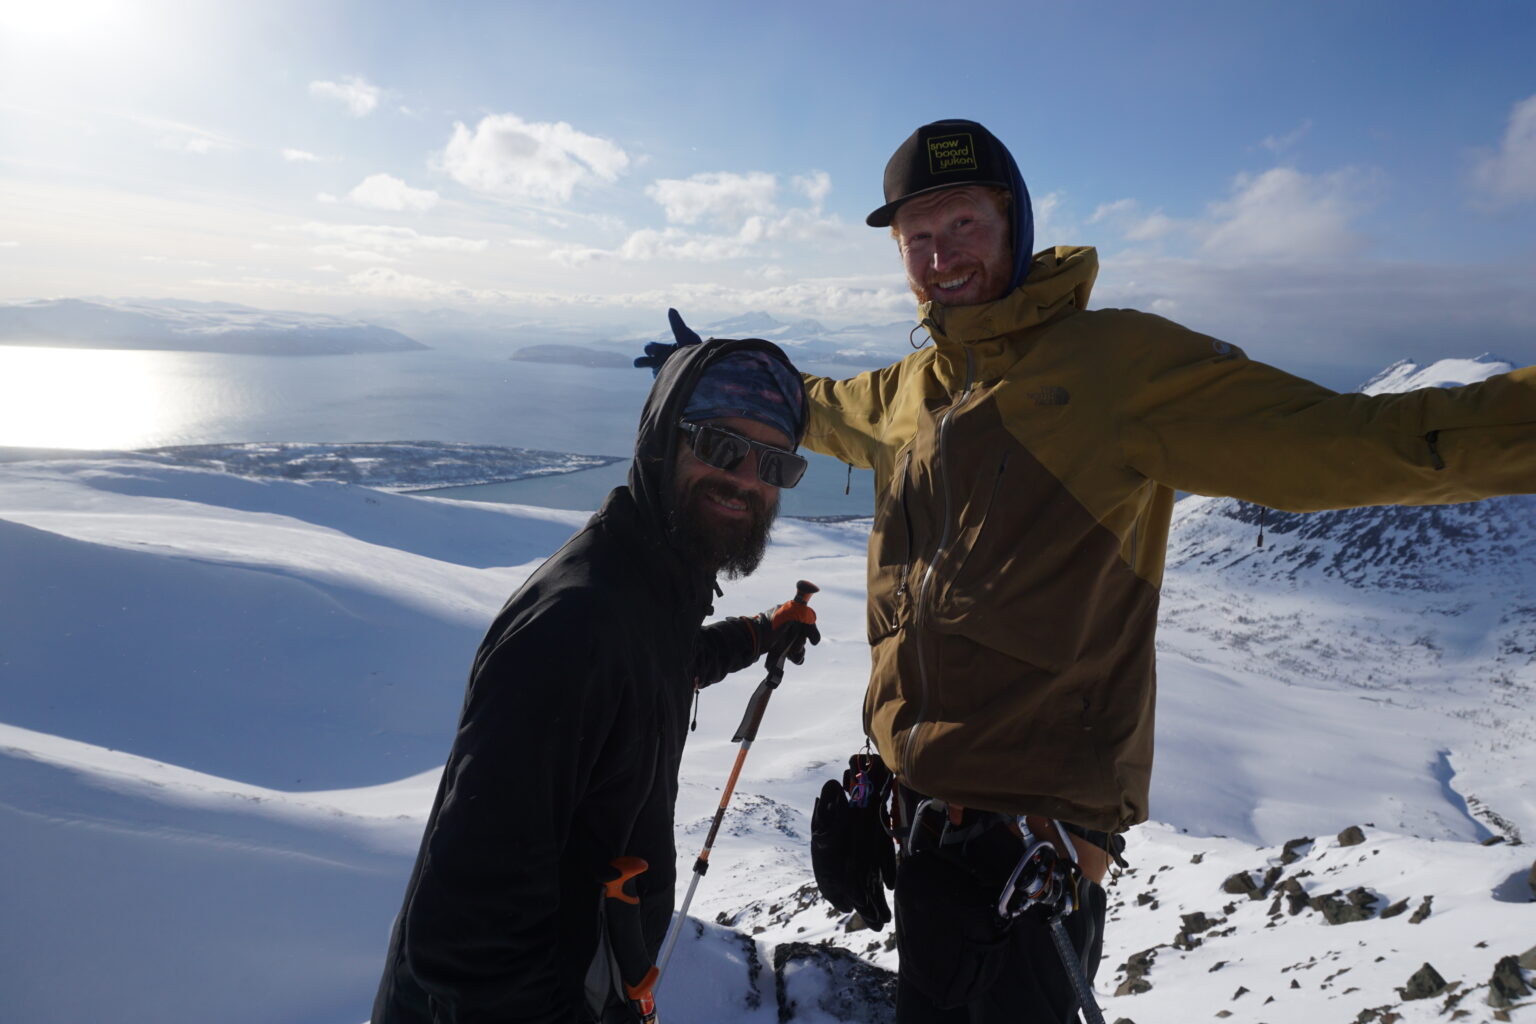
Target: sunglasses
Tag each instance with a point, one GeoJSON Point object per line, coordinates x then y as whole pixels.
{"type": "Point", "coordinates": [723, 449]}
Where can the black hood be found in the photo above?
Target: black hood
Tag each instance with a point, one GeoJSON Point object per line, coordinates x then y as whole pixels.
{"type": "Point", "coordinates": [650, 474]}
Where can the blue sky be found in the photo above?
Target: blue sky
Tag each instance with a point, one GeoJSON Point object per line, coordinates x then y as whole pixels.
{"type": "Point", "coordinates": [1328, 184]}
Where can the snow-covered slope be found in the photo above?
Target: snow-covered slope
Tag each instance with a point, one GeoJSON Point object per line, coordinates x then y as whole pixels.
{"type": "Point", "coordinates": [190, 327]}
{"type": "Point", "coordinates": [226, 700]}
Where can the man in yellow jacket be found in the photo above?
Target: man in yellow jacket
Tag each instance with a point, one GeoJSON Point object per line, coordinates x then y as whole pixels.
{"type": "Point", "coordinates": [1025, 465]}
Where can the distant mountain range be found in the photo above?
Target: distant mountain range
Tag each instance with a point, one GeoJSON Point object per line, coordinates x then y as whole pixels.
{"type": "Point", "coordinates": [190, 327]}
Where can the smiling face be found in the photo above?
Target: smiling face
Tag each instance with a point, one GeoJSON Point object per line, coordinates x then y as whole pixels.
{"type": "Point", "coordinates": [955, 245]}
{"type": "Point", "coordinates": [723, 516]}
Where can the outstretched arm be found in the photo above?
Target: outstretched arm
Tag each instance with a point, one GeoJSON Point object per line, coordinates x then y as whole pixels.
{"type": "Point", "coordinates": [1208, 420]}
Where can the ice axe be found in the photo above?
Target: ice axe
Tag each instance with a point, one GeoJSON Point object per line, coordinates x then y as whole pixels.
{"type": "Point", "coordinates": [796, 610]}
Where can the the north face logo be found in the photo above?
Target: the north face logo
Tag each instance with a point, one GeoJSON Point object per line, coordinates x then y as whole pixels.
{"type": "Point", "coordinates": [1051, 395]}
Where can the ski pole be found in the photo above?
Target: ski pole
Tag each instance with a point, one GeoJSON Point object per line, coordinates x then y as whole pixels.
{"type": "Point", "coordinates": [746, 732]}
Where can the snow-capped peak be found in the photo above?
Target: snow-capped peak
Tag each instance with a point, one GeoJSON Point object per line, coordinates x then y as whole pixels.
{"type": "Point", "coordinates": [1406, 375]}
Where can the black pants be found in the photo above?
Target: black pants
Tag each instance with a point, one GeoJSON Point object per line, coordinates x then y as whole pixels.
{"type": "Point", "coordinates": [944, 917]}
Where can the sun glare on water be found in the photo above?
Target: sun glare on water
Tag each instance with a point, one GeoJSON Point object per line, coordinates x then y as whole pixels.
{"type": "Point", "coordinates": [79, 398]}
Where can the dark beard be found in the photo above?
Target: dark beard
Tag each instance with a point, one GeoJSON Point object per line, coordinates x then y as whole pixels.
{"type": "Point", "coordinates": [732, 552]}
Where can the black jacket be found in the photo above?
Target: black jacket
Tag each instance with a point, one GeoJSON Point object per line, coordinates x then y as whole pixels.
{"type": "Point", "coordinates": [566, 755]}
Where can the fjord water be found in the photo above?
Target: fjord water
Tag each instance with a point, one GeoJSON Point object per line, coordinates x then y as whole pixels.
{"type": "Point", "coordinates": [95, 399]}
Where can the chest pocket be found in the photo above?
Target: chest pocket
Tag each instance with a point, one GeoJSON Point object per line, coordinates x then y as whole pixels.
{"type": "Point", "coordinates": [890, 553]}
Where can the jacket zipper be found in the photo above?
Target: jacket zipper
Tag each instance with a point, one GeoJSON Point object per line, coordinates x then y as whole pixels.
{"type": "Point", "coordinates": [906, 524]}
{"type": "Point", "coordinates": [925, 588]}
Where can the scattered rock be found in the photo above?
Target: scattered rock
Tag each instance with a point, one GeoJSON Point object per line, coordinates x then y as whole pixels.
{"type": "Point", "coordinates": [1197, 922]}
{"type": "Point", "coordinates": [1339, 909]}
{"type": "Point", "coordinates": [1507, 984]}
{"type": "Point", "coordinates": [1240, 884]}
{"type": "Point", "coordinates": [1218, 965]}
{"type": "Point", "coordinates": [1143, 898]}
{"type": "Point", "coordinates": [1420, 915]}
{"type": "Point", "coordinates": [1528, 959]}
{"type": "Point", "coordinates": [1492, 841]}
{"type": "Point", "coordinates": [1241, 991]}
{"type": "Point", "coordinates": [1531, 880]}
{"type": "Point", "coordinates": [1136, 967]}
{"type": "Point", "coordinates": [852, 989]}
{"type": "Point", "coordinates": [1295, 983]}
{"type": "Point", "coordinates": [1270, 878]}
{"type": "Point", "coordinates": [1426, 982]}
{"type": "Point", "coordinates": [1394, 909]}
{"type": "Point", "coordinates": [1288, 852]}
{"type": "Point", "coordinates": [1197, 858]}
{"type": "Point", "coordinates": [1352, 836]}
{"type": "Point", "coordinates": [1295, 896]}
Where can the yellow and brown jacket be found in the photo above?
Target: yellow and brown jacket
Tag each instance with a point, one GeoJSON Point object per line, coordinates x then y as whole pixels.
{"type": "Point", "coordinates": [1025, 467]}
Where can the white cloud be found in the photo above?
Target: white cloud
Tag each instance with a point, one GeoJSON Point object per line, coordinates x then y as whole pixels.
{"type": "Point", "coordinates": [387, 282]}
{"type": "Point", "coordinates": [1133, 224]}
{"type": "Point", "coordinates": [300, 156]}
{"type": "Point", "coordinates": [10, 245]}
{"type": "Point", "coordinates": [824, 297]}
{"type": "Point", "coordinates": [742, 211]}
{"type": "Point", "coordinates": [325, 197]}
{"type": "Point", "coordinates": [385, 240]}
{"type": "Point", "coordinates": [175, 262]}
{"type": "Point", "coordinates": [386, 192]}
{"type": "Point", "coordinates": [354, 91]}
{"type": "Point", "coordinates": [347, 252]}
{"type": "Point", "coordinates": [1052, 226]}
{"type": "Point", "coordinates": [1278, 144]}
{"type": "Point", "coordinates": [679, 244]}
{"type": "Point", "coordinates": [508, 157]}
{"type": "Point", "coordinates": [185, 138]}
{"type": "Point", "coordinates": [816, 186]}
{"type": "Point", "coordinates": [1509, 175]}
{"type": "Point", "coordinates": [1285, 214]}
{"type": "Point", "coordinates": [719, 197]}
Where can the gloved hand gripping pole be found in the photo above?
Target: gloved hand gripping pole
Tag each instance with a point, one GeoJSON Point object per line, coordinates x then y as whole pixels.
{"type": "Point", "coordinates": [746, 732]}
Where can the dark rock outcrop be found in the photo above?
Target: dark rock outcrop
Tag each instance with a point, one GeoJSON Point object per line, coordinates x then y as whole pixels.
{"type": "Point", "coordinates": [1426, 982]}
{"type": "Point", "coordinates": [853, 990]}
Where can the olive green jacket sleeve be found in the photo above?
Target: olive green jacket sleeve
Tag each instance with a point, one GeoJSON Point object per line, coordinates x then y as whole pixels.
{"type": "Point", "coordinates": [850, 419]}
{"type": "Point", "coordinates": [1201, 417]}
{"type": "Point", "coordinates": [1191, 412]}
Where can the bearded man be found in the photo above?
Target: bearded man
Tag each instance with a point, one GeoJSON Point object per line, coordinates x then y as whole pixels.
{"type": "Point", "coordinates": [567, 752]}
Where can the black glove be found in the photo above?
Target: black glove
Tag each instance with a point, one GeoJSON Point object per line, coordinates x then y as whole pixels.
{"type": "Point", "coordinates": [783, 631]}
{"type": "Point", "coordinates": [656, 352]}
{"type": "Point", "coordinates": [853, 856]}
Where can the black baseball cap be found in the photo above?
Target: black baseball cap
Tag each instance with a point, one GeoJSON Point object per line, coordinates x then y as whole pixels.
{"type": "Point", "coordinates": [942, 155]}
